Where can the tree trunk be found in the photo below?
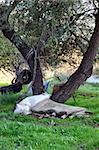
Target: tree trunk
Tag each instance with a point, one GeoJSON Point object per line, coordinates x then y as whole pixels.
{"type": "Point", "coordinates": [27, 51]}
{"type": "Point", "coordinates": [24, 50]}
{"type": "Point", "coordinates": [84, 71]}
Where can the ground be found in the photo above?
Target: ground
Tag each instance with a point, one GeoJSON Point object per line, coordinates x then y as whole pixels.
{"type": "Point", "coordinates": [19, 132]}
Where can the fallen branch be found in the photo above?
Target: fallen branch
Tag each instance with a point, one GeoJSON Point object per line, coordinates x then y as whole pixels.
{"type": "Point", "coordinates": [14, 88]}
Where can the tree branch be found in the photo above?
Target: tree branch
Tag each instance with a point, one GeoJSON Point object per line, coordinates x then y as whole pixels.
{"type": "Point", "coordinates": [5, 11]}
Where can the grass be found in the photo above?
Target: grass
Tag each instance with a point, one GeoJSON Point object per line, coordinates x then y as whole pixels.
{"type": "Point", "coordinates": [19, 132]}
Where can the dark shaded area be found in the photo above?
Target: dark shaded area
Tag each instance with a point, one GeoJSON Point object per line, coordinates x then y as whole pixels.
{"type": "Point", "coordinates": [15, 88]}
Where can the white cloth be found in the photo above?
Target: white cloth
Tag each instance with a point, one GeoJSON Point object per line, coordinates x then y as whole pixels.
{"type": "Point", "coordinates": [41, 104]}
{"type": "Point", "coordinates": [26, 104]}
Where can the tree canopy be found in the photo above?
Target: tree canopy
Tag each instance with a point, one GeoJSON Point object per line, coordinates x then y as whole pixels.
{"type": "Point", "coordinates": [69, 22]}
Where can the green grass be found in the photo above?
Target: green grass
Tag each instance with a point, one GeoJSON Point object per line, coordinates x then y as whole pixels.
{"type": "Point", "coordinates": [19, 132]}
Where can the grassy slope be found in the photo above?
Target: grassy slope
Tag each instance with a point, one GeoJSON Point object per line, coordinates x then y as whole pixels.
{"type": "Point", "coordinates": [28, 133]}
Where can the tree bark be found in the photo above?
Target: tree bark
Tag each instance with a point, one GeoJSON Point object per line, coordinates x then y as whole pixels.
{"type": "Point", "coordinates": [84, 71]}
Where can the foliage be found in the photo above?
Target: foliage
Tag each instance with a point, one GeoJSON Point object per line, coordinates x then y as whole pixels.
{"type": "Point", "coordinates": [26, 132]}
{"type": "Point", "coordinates": [67, 20]}
{"type": "Point", "coordinates": [71, 24]}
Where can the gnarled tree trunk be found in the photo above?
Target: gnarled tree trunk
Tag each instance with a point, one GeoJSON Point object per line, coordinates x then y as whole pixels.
{"type": "Point", "coordinates": [27, 51]}
{"type": "Point", "coordinates": [24, 50]}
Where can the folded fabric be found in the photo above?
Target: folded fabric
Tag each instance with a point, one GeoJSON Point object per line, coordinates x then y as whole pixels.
{"type": "Point", "coordinates": [57, 109]}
